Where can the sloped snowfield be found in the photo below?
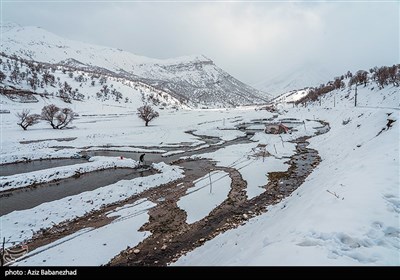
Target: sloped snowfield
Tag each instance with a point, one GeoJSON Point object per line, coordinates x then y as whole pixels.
{"type": "Point", "coordinates": [347, 211]}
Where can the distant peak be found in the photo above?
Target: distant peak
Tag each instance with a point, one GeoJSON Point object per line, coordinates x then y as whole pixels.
{"type": "Point", "coordinates": [188, 59]}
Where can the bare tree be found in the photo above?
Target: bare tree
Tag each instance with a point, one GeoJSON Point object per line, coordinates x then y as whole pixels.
{"type": "Point", "coordinates": [49, 113]}
{"type": "Point", "coordinates": [26, 119]}
{"type": "Point", "coordinates": [64, 118]}
{"type": "Point", "coordinates": [58, 118]}
{"type": "Point", "coordinates": [147, 114]}
{"type": "Point", "coordinates": [361, 77]}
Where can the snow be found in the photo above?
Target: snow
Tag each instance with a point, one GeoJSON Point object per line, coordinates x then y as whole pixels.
{"type": "Point", "coordinates": [171, 153]}
{"type": "Point", "coordinates": [291, 96]}
{"type": "Point", "coordinates": [313, 226]}
{"type": "Point", "coordinates": [20, 225]}
{"type": "Point", "coordinates": [43, 153]}
{"type": "Point", "coordinates": [195, 77]}
{"type": "Point", "coordinates": [295, 78]}
{"type": "Point", "coordinates": [253, 169]}
{"type": "Point", "coordinates": [201, 199]}
{"type": "Point", "coordinates": [62, 172]}
{"type": "Point", "coordinates": [215, 131]}
{"type": "Point", "coordinates": [255, 173]}
{"type": "Point", "coordinates": [93, 246]}
{"type": "Point", "coordinates": [126, 149]}
{"type": "Point", "coordinates": [345, 213]}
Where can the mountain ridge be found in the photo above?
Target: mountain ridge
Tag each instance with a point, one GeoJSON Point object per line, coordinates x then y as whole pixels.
{"type": "Point", "coordinates": [195, 78]}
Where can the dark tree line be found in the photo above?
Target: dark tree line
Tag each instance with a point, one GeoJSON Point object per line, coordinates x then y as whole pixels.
{"type": "Point", "coordinates": [382, 76]}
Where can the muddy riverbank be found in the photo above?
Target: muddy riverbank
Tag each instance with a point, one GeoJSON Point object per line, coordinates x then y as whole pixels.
{"type": "Point", "coordinates": [172, 236]}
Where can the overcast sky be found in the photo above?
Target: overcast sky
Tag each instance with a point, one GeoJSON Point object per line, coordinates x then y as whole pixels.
{"type": "Point", "coordinates": [250, 40]}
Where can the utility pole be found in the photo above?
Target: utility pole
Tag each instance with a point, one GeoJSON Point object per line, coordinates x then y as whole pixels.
{"type": "Point", "coordinates": [355, 98]}
{"type": "Point", "coordinates": [209, 176]}
{"type": "Point", "coordinates": [2, 252]}
{"type": "Point", "coordinates": [283, 145]}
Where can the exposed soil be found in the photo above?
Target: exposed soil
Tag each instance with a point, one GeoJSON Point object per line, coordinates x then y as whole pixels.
{"type": "Point", "coordinates": [98, 218]}
{"type": "Point", "coordinates": [172, 236]}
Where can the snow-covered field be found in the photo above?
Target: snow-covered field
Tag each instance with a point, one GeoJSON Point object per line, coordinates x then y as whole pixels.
{"type": "Point", "coordinates": [346, 212]}
{"type": "Point", "coordinates": [201, 199]}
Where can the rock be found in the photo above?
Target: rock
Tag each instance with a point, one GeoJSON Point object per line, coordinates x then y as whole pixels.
{"type": "Point", "coordinates": [245, 216]}
{"type": "Point", "coordinates": [164, 247]}
{"type": "Point", "coordinates": [136, 251]}
{"type": "Point", "coordinates": [202, 240]}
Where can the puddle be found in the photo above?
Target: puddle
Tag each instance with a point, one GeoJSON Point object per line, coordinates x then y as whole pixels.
{"type": "Point", "coordinates": [31, 197]}
{"type": "Point", "coordinates": [188, 151]}
{"type": "Point", "coordinates": [25, 167]}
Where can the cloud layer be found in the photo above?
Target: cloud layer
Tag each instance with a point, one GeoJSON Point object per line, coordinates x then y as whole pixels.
{"type": "Point", "coordinates": [251, 40]}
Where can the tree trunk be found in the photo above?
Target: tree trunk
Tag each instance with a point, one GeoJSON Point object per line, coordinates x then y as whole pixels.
{"type": "Point", "coordinates": [147, 123]}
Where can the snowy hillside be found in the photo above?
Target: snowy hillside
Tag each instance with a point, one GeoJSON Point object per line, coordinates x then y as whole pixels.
{"type": "Point", "coordinates": [291, 96]}
{"type": "Point", "coordinates": [294, 79]}
{"type": "Point", "coordinates": [347, 211]}
{"type": "Point", "coordinates": [191, 79]}
{"type": "Point", "coordinates": [25, 81]}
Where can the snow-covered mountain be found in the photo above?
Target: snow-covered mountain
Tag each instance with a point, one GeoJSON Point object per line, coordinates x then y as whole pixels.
{"type": "Point", "coordinates": [192, 79]}
{"type": "Point", "coordinates": [294, 79]}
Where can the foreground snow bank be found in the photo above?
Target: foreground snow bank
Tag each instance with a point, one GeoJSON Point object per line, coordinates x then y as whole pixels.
{"type": "Point", "coordinates": [20, 225]}
{"type": "Point", "coordinates": [93, 246]}
{"type": "Point", "coordinates": [38, 154]}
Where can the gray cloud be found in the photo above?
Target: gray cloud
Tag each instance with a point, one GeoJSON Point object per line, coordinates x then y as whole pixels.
{"type": "Point", "coordinates": [250, 40]}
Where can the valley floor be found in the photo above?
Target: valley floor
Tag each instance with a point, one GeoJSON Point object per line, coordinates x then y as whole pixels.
{"type": "Point", "coordinates": [214, 188]}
